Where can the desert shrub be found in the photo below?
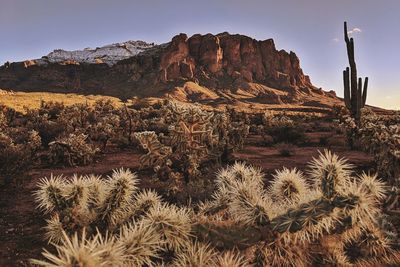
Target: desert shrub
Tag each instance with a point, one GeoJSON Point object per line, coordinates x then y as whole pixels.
{"type": "Point", "coordinates": [286, 149]}
{"type": "Point", "coordinates": [7, 116]}
{"type": "Point", "coordinates": [129, 123]}
{"type": "Point", "coordinates": [380, 136]}
{"type": "Point", "coordinates": [76, 117]}
{"type": "Point", "coordinates": [270, 119]}
{"type": "Point", "coordinates": [72, 150]}
{"type": "Point", "coordinates": [48, 129]}
{"type": "Point", "coordinates": [323, 217]}
{"type": "Point", "coordinates": [17, 156]}
{"type": "Point", "coordinates": [104, 123]}
{"type": "Point", "coordinates": [287, 134]}
{"type": "Point", "coordinates": [282, 129]}
{"type": "Point", "coordinates": [323, 140]}
{"type": "Point", "coordinates": [138, 103]}
{"type": "Point", "coordinates": [104, 129]}
{"type": "Point", "coordinates": [51, 109]}
{"type": "Point", "coordinates": [3, 121]}
{"type": "Point", "coordinates": [100, 122]}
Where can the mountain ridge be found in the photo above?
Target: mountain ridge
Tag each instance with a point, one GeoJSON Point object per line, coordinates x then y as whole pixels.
{"type": "Point", "coordinates": [222, 67]}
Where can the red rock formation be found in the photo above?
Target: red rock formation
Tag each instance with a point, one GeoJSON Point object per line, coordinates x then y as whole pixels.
{"type": "Point", "coordinates": [232, 56]}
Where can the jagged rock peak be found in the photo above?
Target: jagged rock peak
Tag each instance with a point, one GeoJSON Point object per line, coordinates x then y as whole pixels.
{"type": "Point", "coordinates": [236, 56]}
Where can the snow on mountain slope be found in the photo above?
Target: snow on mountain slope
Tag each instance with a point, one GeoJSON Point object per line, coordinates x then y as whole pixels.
{"type": "Point", "coordinates": [109, 54]}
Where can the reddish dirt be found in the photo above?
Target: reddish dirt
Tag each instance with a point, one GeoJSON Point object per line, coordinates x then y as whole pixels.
{"type": "Point", "coordinates": [21, 233]}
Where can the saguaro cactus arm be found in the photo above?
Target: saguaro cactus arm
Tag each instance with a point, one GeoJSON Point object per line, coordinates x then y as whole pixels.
{"type": "Point", "coordinates": [346, 81]}
{"type": "Point", "coordinates": [364, 94]}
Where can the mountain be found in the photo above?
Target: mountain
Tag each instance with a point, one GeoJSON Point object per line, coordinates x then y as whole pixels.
{"type": "Point", "coordinates": [212, 69]}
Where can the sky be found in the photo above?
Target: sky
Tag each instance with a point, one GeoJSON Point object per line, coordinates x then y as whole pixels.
{"type": "Point", "coordinates": [311, 28]}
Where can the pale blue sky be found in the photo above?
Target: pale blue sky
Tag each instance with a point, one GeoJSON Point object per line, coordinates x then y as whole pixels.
{"type": "Point", "coordinates": [33, 28]}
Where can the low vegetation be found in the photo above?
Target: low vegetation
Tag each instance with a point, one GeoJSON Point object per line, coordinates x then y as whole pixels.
{"type": "Point", "coordinates": [293, 222]}
{"type": "Point", "coordinates": [327, 215]}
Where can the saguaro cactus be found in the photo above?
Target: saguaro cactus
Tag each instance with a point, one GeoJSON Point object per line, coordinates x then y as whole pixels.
{"type": "Point", "coordinates": [355, 95]}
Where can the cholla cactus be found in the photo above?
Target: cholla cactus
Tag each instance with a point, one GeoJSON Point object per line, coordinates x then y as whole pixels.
{"type": "Point", "coordinates": [293, 223]}
{"type": "Point", "coordinates": [231, 259]}
{"type": "Point", "coordinates": [278, 254]}
{"type": "Point", "coordinates": [74, 251]}
{"type": "Point", "coordinates": [112, 251]}
{"type": "Point", "coordinates": [194, 255]}
{"type": "Point", "coordinates": [72, 150]}
{"type": "Point", "coordinates": [228, 179]}
{"type": "Point", "coordinates": [96, 190]}
{"type": "Point", "coordinates": [191, 136]}
{"type": "Point", "coordinates": [113, 204]}
{"type": "Point", "coordinates": [373, 186]}
{"type": "Point", "coordinates": [157, 155]}
{"type": "Point", "coordinates": [50, 195]}
{"type": "Point", "coordinates": [172, 223]}
{"type": "Point", "coordinates": [86, 202]}
{"type": "Point", "coordinates": [120, 187]}
{"type": "Point", "coordinates": [248, 205]}
{"type": "Point", "coordinates": [141, 243]}
{"type": "Point", "coordinates": [330, 173]}
{"type": "Point", "coordinates": [288, 186]}
{"type": "Point", "coordinates": [335, 200]}
{"type": "Point", "coordinates": [54, 229]}
{"type": "Point", "coordinates": [230, 134]}
{"type": "Point", "coordinates": [143, 202]}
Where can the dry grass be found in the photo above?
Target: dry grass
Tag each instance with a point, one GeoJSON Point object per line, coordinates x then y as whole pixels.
{"type": "Point", "coordinates": [20, 101]}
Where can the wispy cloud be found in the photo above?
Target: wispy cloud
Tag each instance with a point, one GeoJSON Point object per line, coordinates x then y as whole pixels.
{"type": "Point", "coordinates": [354, 30]}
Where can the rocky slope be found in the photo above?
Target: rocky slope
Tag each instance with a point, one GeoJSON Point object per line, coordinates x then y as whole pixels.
{"type": "Point", "coordinates": [214, 68]}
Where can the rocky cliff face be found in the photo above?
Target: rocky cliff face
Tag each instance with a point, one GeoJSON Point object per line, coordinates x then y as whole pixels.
{"type": "Point", "coordinates": [212, 58]}
{"type": "Point", "coordinates": [220, 62]}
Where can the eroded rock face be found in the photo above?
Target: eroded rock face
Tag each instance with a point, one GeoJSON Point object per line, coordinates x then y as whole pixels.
{"type": "Point", "coordinates": [234, 57]}
{"type": "Point", "coordinates": [218, 61]}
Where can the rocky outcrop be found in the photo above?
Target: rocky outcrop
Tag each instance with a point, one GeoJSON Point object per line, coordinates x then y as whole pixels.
{"type": "Point", "coordinates": [236, 57]}
{"type": "Point", "coordinates": [217, 62]}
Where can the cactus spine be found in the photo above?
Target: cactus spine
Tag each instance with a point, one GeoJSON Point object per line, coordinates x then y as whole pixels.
{"type": "Point", "coordinates": [355, 95]}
